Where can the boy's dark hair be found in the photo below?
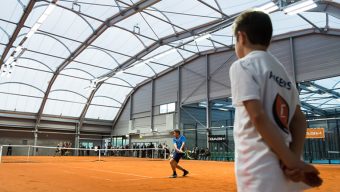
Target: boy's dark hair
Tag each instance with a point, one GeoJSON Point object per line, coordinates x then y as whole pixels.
{"type": "Point", "coordinates": [256, 25]}
{"type": "Point", "coordinates": [177, 131]}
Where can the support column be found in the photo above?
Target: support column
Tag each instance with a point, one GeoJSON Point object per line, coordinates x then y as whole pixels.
{"type": "Point", "coordinates": [35, 141]}
{"type": "Point", "coordinates": [292, 57]}
{"type": "Point", "coordinates": [179, 97]}
{"type": "Point", "coordinates": [77, 139]}
{"type": "Point", "coordinates": [35, 138]}
{"type": "Point", "coordinates": [208, 108]}
{"type": "Point", "coordinates": [131, 106]}
{"type": "Point", "coordinates": [338, 135]}
{"type": "Point", "coordinates": [152, 104]}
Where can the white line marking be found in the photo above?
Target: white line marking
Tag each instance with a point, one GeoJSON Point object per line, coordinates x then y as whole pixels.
{"type": "Point", "coordinates": [115, 172]}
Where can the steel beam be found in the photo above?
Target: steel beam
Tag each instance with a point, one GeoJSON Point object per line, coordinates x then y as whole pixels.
{"type": "Point", "coordinates": [179, 97]}
{"type": "Point", "coordinates": [292, 57]}
{"type": "Point", "coordinates": [208, 108]}
{"type": "Point", "coordinates": [310, 22]}
{"type": "Point", "coordinates": [213, 8]}
{"type": "Point", "coordinates": [313, 109]}
{"type": "Point", "coordinates": [324, 89]}
{"type": "Point", "coordinates": [152, 105]}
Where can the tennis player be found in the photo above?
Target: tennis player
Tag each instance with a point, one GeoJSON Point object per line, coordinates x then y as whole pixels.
{"type": "Point", "coordinates": [269, 129]}
{"type": "Point", "coordinates": [179, 144]}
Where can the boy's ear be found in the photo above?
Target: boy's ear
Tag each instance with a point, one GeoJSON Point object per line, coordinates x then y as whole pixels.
{"type": "Point", "coordinates": [242, 37]}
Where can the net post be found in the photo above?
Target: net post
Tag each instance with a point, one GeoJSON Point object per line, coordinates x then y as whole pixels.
{"type": "Point", "coordinates": [164, 154]}
{"type": "Point", "coordinates": [99, 153]}
{"type": "Point", "coordinates": [28, 153]}
{"type": "Point", "coordinates": [1, 153]}
{"type": "Point", "coordinates": [152, 153]}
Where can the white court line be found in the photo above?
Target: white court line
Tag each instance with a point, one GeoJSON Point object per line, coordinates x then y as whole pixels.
{"type": "Point", "coordinates": [129, 174]}
{"type": "Point", "coordinates": [121, 173]}
{"type": "Point", "coordinates": [166, 177]}
{"type": "Point", "coordinates": [94, 177]}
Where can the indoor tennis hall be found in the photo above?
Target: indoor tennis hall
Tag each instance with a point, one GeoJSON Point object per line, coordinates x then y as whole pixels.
{"type": "Point", "coordinates": [94, 93]}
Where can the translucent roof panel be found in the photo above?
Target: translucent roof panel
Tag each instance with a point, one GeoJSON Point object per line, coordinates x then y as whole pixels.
{"type": "Point", "coordinates": [99, 9]}
{"type": "Point", "coordinates": [100, 112]}
{"type": "Point", "coordinates": [13, 10]}
{"type": "Point", "coordinates": [118, 40]}
{"type": "Point", "coordinates": [6, 29]}
{"type": "Point", "coordinates": [231, 7]}
{"type": "Point", "coordinates": [109, 98]}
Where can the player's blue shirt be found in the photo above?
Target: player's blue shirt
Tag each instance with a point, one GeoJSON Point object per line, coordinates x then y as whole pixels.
{"type": "Point", "coordinates": [181, 139]}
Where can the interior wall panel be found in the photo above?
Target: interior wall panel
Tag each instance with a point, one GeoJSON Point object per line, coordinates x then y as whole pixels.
{"type": "Point", "coordinates": [317, 56]}
{"type": "Point", "coordinates": [166, 88]}
{"type": "Point", "coordinates": [282, 51]}
{"type": "Point", "coordinates": [193, 80]}
{"type": "Point", "coordinates": [122, 125]}
{"type": "Point", "coordinates": [219, 65]}
{"type": "Point", "coordinates": [142, 99]}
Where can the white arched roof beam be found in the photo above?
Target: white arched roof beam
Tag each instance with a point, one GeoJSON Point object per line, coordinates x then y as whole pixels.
{"type": "Point", "coordinates": [25, 84]}
{"type": "Point", "coordinates": [5, 32]}
{"type": "Point", "coordinates": [77, 69]}
{"type": "Point", "coordinates": [113, 99]}
{"type": "Point", "coordinates": [21, 4]}
{"type": "Point", "coordinates": [37, 61]}
{"type": "Point", "coordinates": [65, 90]}
{"type": "Point", "coordinates": [82, 17]}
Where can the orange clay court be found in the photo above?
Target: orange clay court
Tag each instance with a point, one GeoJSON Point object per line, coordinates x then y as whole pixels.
{"type": "Point", "coordinates": [74, 174]}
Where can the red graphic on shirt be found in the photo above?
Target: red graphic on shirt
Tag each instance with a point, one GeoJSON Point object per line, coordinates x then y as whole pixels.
{"type": "Point", "coordinates": [281, 113]}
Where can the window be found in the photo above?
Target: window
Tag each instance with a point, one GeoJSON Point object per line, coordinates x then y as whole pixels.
{"type": "Point", "coordinates": [171, 107]}
{"type": "Point", "coordinates": [163, 109]}
{"type": "Point", "coordinates": [167, 108]}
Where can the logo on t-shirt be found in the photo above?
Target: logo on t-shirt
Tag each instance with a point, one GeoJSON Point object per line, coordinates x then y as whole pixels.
{"type": "Point", "coordinates": [281, 113]}
{"type": "Point", "coordinates": [280, 81]}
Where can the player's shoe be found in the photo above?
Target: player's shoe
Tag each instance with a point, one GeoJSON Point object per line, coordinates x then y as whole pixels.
{"type": "Point", "coordinates": [185, 172]}
{"type": "Point", "coordinates": [173, 176]}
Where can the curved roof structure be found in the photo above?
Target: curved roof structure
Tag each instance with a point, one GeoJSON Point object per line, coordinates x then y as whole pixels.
{"type": "Point", "coordinates": [81, 58]}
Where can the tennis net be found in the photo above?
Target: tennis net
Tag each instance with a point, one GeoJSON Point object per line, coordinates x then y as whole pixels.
{"type": "Point", "coordinates": [36, 154]}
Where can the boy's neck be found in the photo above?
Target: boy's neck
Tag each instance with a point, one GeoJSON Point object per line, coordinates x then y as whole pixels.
{"type": "Point", "coordinates": [250, 48]}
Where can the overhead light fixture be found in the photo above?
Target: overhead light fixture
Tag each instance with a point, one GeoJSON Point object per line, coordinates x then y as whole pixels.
{"type": "Point", "coordinates": [144, 62]}
{"type": "Point", "coordinates": [18, 48]}
{"type": "Point", "coordinates": [165, 53]}
{"type": "Point", "coordinates": [3, 70]}
{"type": "Point", "coordinates": [35, 27]}
{"type": "Point", "coordinates": [41, 19]}
{"type": "Point", "coordinates": [202, 37]}
{"type": "Point", "coordinates": [9, 72]}
{"type": "Point", "coordinates": [119, 72]}
{"type": "Point", "coordinates": [9, 60]}
{"type": "Point", "coordinates": [299, 7]}
{"type": "Point", "coordinates": [268, 7]}
{"type": "Point", "coordinates": [14, 63]}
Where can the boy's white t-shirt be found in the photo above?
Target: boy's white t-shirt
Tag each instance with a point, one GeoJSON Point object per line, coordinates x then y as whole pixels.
{"type": "Point", "coordinates": [260, 76]}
